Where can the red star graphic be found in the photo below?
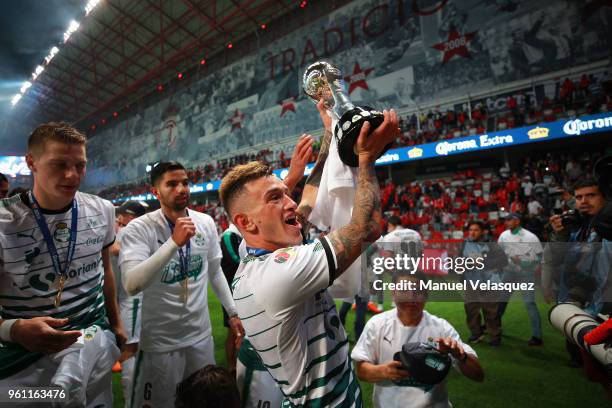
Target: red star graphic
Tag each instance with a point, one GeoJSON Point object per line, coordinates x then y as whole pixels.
{"type": "Point", "coordinates": [236, 120]}
{"type": "Point", "coordinates": [287, 105]}
{"type": "Point", "coordinates": [358, 78]}
{"type": "Point", "coordinates": [455, 45]}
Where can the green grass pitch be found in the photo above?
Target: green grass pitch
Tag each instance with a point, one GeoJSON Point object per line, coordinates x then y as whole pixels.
{"type": "Point", "coordinates": [516, 375]}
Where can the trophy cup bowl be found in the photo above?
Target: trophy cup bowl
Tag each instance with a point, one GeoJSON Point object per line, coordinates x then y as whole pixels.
{"type": "Point", "coordinates": [323, 80]}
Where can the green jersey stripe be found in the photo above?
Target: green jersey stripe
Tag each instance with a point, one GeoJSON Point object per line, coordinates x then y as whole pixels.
{"type": "Point", "coordinates": [134, 314]}
{"type": "Point", "coordinates": [327, 356]}
{"type": "Point", "coordinates": [273, 366]}
{"type": "Point", "coordinates": [244, 297]}
{"type": "Point", "coordinates": [51, 306]}
{"type": "Point", "coordinates": [316, 338]}
{"type": "Point", "coordinates": [263, 331]}
{"type": "Point", "coordinates": [90, 317]}
{"type": "Point", "coordinates": [54, 221]}
{"type": "Point", "coordinates": [268, 349]}
{"type": "Point", "coordinates": [256, 314]}
{"type": "Point", "coordinates": [66, 289]}
{"type": "Point", "coordinates": [319, 313]}
{"type": "Point", "coordinates": [50, 266]}
{"type": "Point", "coordinates": [340, 388]}
{"type": "Point", "coordinates": [66, 313]}
{"type": "Point", "coordinates": [322, 381]}
{"type": "Point", "coordinates": [227, 239]}
{"type": "Point", "coordinates": [42, 240]}
{"type": "Point", "coordinates": [59, 248]}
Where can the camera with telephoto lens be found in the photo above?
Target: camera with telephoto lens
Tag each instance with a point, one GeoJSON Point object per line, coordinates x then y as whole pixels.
{"type": "Point", "coordinates": [602, 223]}
{"type": "Point", "coordinates": [571, 220]}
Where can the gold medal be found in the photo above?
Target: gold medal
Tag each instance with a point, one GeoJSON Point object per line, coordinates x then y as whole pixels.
{"type": "Point", "coordinates": [60, 288]}
{"type": "Point", "coordinates": [185, 294]}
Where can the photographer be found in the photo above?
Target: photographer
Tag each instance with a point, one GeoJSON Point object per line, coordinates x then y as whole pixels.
{"type": "Point", "coordinates": [583, 266]}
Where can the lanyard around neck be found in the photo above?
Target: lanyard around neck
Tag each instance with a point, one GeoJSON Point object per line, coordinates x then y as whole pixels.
{"type": "Point", "coordinates": [44, 229]}
{"type": "Point", "coordinates": [184, 256]}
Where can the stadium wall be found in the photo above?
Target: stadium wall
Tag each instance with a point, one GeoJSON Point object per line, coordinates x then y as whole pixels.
{"type": "Point", "coordinates": [394, 53]}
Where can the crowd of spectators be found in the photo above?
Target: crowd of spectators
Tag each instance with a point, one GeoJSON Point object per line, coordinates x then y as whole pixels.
{"type": "Point", "coordinates": [571, 98]}
{"type": "Point", "coordinates": [440, 208]}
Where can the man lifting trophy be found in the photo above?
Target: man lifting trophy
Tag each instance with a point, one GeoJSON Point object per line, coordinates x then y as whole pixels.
{"type": "Point", "coordinates": [323, 80]}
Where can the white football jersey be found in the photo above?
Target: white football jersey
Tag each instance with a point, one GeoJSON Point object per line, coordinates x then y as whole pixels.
{"type": "Point", "coordinates": [400, 234]}
{"type": "Point", "coordinates": [167, 322]}
{"type": "Point", "coordinates": [291, 321]}
{"type": "Point", "coordinates": [28, 282]}
{"type": "Point", "coordinates": [383, 336]}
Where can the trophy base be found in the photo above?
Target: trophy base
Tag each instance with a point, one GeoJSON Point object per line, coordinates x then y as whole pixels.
{"type": "Point", "coordinates": [347, 131]}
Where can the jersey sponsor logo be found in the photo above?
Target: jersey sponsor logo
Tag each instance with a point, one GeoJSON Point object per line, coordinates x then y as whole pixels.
{"type": "Point", "coordinates": [90, 332]}
{"type": "Point", "coordinates": [94, 241]}
{"type": "Point", "coordinates": [283, 255]}
{"type": "Point", "coordinates": [172, 272]}
{"type": "Point", "coordinates": [37, 283]}
{"type": "Point", "coordinates": [44, 281]}
{"type": "Point", "coordinates": [62, 232]}
{"type": "Point", "coordinates": [200, 239]}
{"type": "Point", "coordinates": [31, 254]}
{"type": "Point", "coordinates": [92, 222]}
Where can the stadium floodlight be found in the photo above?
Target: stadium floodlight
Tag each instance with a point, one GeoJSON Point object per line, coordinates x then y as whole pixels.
{"type": "Point", "coordinates": [37, 72]}
{"type": "Point", "coordinates": [51, 54]}
{"type": "Point", "coordinates": [72, 27]}
{"type": "Point", "coordinates": [25, 86]}
{"type": "Point", "coordinates": [91, 4]}
{"type": "Point", "coordinates": [15, 99]}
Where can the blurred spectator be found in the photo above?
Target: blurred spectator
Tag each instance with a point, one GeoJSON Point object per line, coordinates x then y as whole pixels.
{"type": "Point", "coordinates": [524, 252]}
{"type": "Point", "coordinates": [476, 246]}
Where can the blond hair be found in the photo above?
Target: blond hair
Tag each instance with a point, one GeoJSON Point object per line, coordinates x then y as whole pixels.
{"type": "Point", "coordinates": [233, 183]}
{"type": "Point", "coordinates": [57, 131]}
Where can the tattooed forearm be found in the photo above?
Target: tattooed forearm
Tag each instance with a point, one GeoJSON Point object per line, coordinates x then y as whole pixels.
{"type": "Point", "coordinates": [348, 240]}
{"type": "Point", "coordinates": [303, 213]}
{"type": "Point", "coordinates": [311, 188]}
{"type": "Point", "coordinates": [314, 178]}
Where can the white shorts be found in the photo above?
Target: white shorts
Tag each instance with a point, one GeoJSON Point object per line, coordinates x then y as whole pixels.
{"type": "Point", "coordinates": [86, 368]}
{"type": "Point", "coordinates": [130, 309]}
{"type": "Point", "coordinates": [157, 374]}
{"type": "Point", "coordinates": [256, 386]}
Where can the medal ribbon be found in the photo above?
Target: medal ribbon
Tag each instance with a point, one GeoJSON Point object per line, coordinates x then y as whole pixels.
{"type": "Point", "coordinates": [44, 229]}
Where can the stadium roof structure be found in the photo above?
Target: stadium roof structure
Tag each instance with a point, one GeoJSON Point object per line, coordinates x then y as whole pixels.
{"type": "Point", "coordinates": [123, 50]}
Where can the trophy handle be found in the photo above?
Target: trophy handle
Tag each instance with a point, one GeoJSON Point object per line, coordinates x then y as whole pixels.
{"type": "Point", "coordinates": [336, 85]}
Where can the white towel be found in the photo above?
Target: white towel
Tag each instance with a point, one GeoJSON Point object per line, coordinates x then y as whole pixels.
{"type": "Point", "coordinates": [333, 209]}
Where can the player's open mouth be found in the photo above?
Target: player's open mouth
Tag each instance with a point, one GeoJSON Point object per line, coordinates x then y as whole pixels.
{"type": "Point", "coordinates": [292, 220]}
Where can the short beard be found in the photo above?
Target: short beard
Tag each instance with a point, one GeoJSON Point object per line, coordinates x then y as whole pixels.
{"type": "Point", "coordinates": [179, 207]}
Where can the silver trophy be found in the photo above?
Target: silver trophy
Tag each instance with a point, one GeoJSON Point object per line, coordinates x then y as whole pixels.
{"type": "Point", "coordinates": [323, 80]}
